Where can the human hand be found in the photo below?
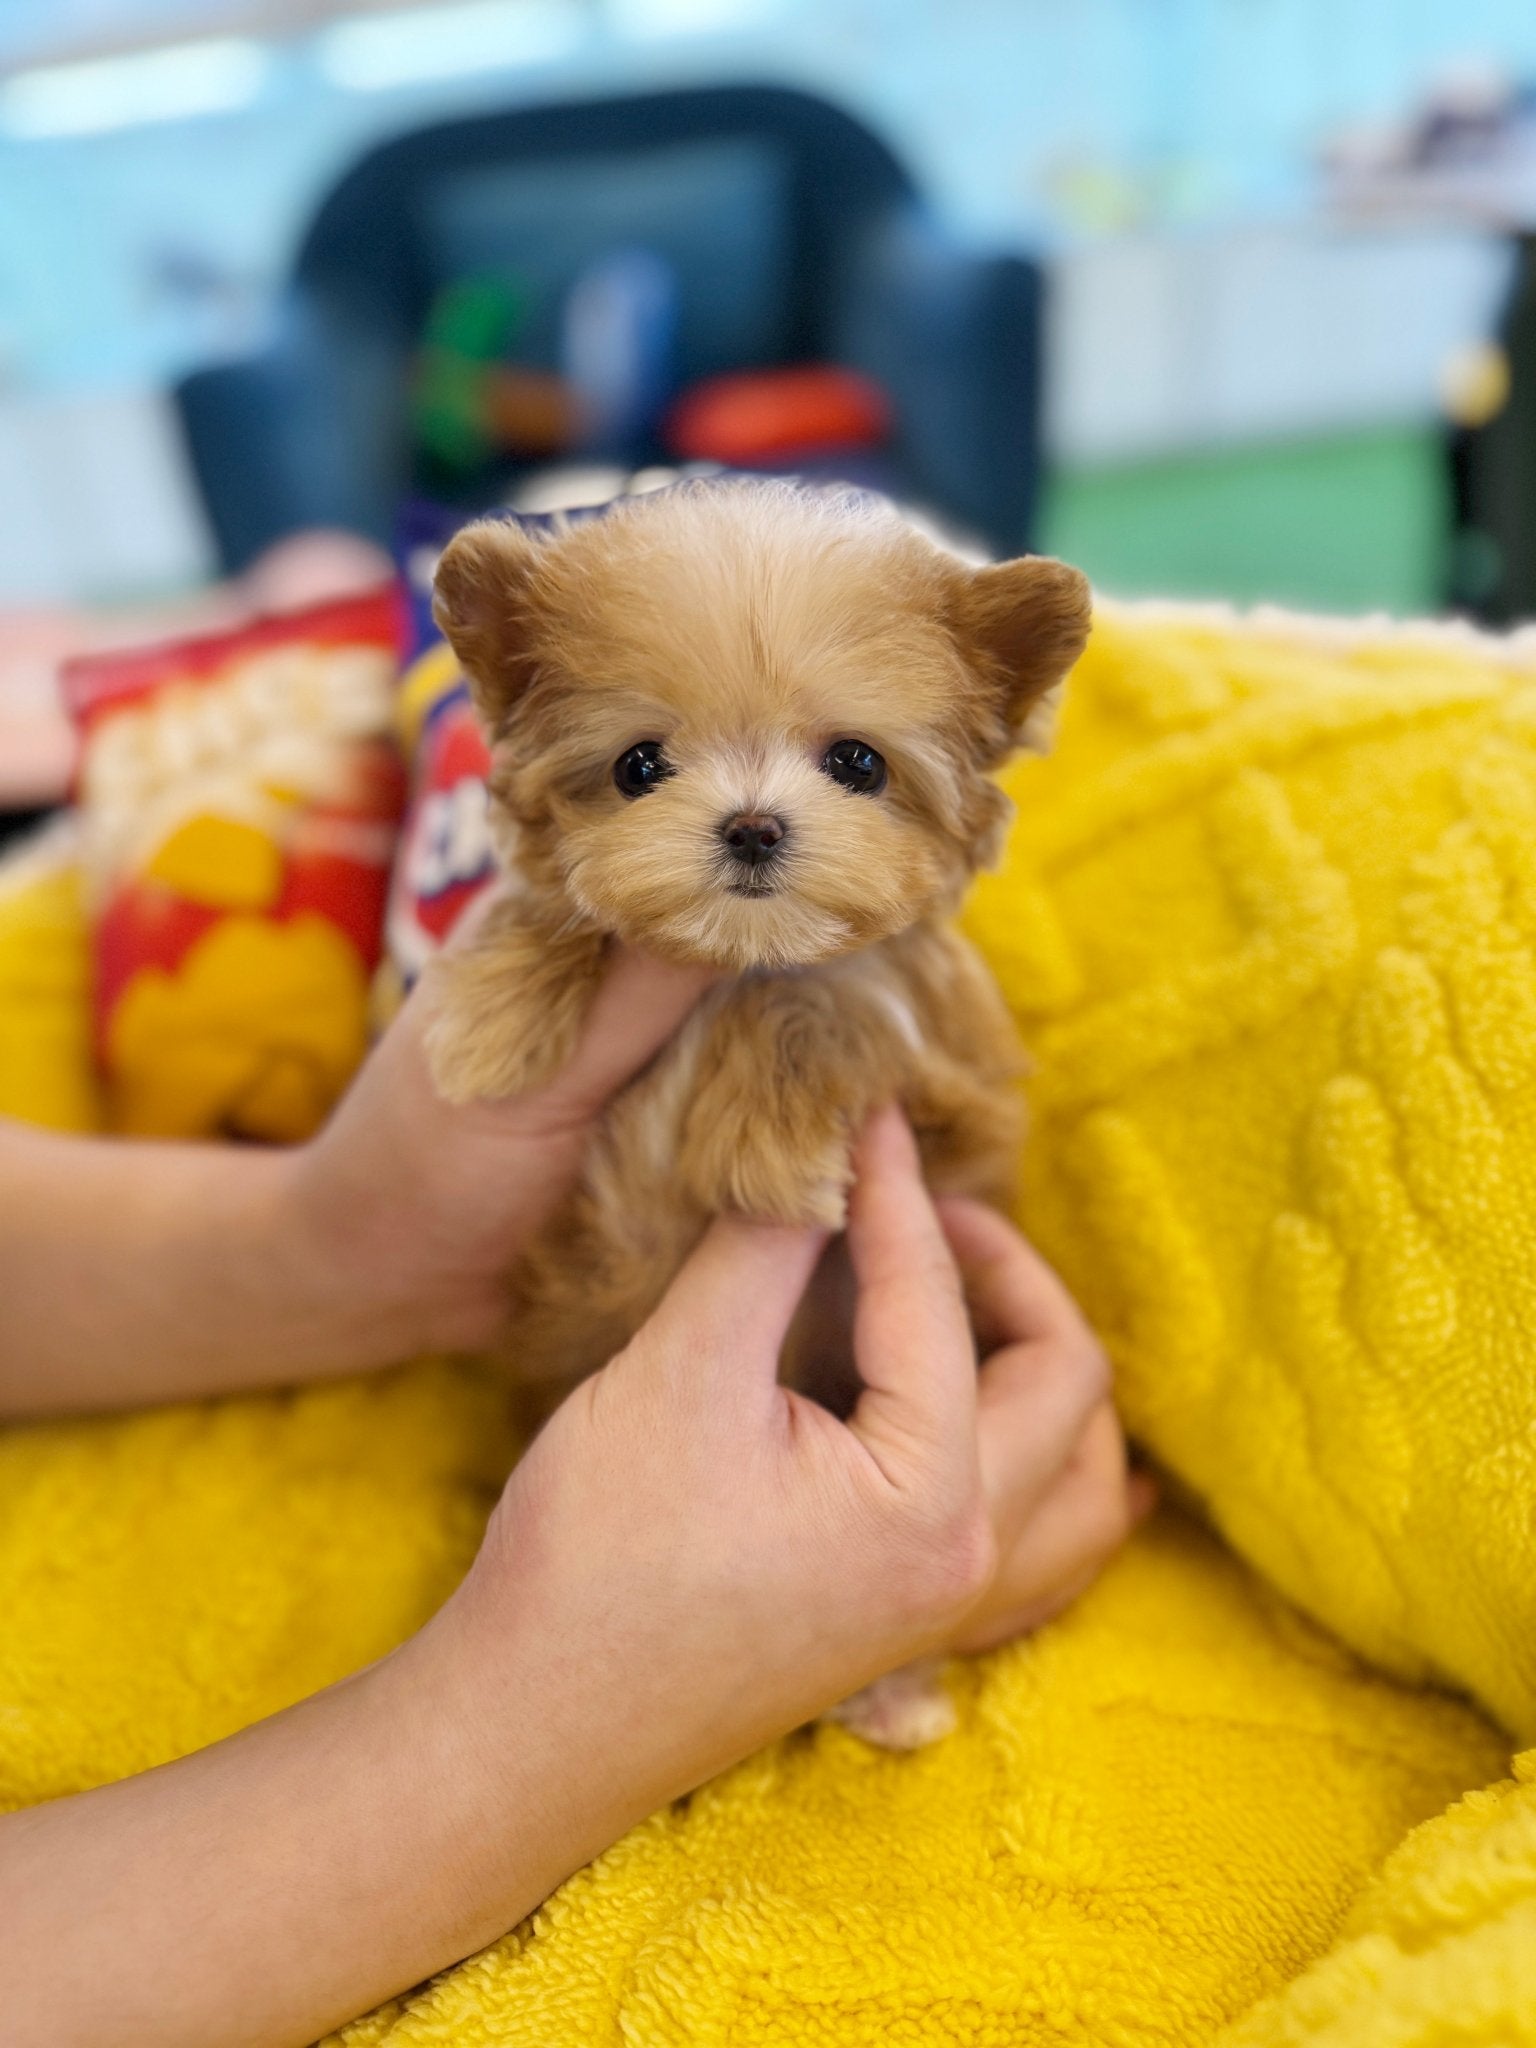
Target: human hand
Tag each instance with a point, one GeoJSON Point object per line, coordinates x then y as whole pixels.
{"type": "Point", "coordinates": [1042, 1374]}
{"type": "Point", "coordinates": [709, 1558]}
{"type": "Point", "coordinates": [407, 1212]}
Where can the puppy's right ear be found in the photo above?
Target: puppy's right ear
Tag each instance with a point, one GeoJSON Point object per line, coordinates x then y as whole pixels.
{"type": "Point", "coordinates": [481, 600]}
{"type": "Point", "coordinates": [1022, 624]}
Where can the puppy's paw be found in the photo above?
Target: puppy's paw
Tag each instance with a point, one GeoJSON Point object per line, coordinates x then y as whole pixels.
{"type": "Point", "coordinates": [814, 1191]}
{"type": "Point", "coordinates": [480, 1048]}
{"type": "Point", "coordinates": [756, 1165]}
{"type": "Point", "coordinates": [825, 1207]}
{"type": "Point", "coordinates": [907, 1709]}
{"type": "Point", "coordinates": [507, 1007]}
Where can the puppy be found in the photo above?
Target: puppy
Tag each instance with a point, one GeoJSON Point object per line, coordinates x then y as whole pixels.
{"type": "Point", "coordinates": [751, 725]}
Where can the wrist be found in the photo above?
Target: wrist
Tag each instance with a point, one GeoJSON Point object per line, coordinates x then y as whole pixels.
{"type": "Point", "coordinates": [352, 1305]}
{"type": "Point", "coordinates": [587, 1684]}
{"type": "Point", "coordinates": [490, 1709]}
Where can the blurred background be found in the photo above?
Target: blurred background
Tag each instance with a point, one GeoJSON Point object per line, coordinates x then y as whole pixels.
{"type": "Point", "coordinates": [1218, 298]}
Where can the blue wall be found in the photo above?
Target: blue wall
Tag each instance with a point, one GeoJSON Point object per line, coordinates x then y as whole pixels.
{"type": "Point", "coordinates": [127, 254]}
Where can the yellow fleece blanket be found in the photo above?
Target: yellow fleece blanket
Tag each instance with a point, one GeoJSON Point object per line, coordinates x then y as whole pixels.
{"type": "Point", "coordinates": [1233, 920]}
{"type": "Point", "coordinates": [1269, 919]}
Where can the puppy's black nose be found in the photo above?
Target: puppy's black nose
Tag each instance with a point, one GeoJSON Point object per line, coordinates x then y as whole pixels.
{"type": "Point", "coordinates": [752, 837]}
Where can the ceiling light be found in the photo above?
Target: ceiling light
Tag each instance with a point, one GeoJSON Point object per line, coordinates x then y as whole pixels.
{"type": "Point", "coordinates": [689, 17]}
{"type": "Point", "coordinates": [170, 84]}
{"type": "Point", "coordinates": [374, 52]}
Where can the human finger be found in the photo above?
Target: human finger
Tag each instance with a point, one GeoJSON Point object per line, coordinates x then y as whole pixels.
{"type": "Point", "coordinates": [1033, 1404]}
{"type": "Point", "coordinates": [1006, 1620]}
{"type": "Point", "coordinates": [736, 1295]}
{"type": "Point", "coordinates": [912, 1338]}
{"type": "Point", "coordinates": [1079, 1524]}
{"type": "Point", "coordinates": [1013, 1294]}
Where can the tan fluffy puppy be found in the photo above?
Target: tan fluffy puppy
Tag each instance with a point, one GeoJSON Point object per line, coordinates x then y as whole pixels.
{"type": "Point", "coordinates": [749, 725]}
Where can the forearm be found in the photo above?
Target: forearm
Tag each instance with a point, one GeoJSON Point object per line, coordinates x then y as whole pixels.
{"type": "Point", "coordinates": [136, 1273]}
{"type": "Point", "coordinates": [277, 1884]}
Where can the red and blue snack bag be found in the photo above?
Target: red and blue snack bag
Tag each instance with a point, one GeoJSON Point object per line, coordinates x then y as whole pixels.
{"type": "Point", "coordinates": [445, 857]}
{"type": "Point", "coordinates": [239, 794]}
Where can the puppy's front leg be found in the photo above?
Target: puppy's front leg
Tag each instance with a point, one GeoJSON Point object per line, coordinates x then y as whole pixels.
{"type": "Point", "coordinates": [509, 1005]}
{"type": "Point", "coordinates": [778, 1096]}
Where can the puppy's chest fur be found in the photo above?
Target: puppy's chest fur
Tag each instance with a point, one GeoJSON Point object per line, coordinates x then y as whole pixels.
{"type": "Point", "coordinates": [752, 1109]}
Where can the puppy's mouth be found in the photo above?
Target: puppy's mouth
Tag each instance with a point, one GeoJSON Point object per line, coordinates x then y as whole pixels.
{"type": "Point", "coordinates": [755, 885]}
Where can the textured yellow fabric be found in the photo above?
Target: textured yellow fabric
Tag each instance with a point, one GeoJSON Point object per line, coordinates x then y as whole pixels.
{"type": "Point", "coordinates": [45, 1047]}
{"type": "Point", "coordinates": [169, 1577]}
{"type": "Point", "coordinates": [1441, 1951]}
{"type": "Point", "coordinates": [1268, 918]}
{"type": "Point", "coordinates": [1162, 1808]}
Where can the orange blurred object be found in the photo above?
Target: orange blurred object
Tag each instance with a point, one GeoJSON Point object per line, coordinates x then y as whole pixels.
{"type": "Point", "coordinates": [761, 416]}
{"type": "Point", "coordinates": [529, 412]}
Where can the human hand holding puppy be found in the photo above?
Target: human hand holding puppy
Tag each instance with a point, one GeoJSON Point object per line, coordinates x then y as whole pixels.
{"type": "Point", "coordinates": [1037, 1427]}
{"type": "Point", "coordinates": [413, 1209]}
{"type": "Point", "coordinates": [134, 1274]}
{"type": "Point", "coordinates": [738, 1558]}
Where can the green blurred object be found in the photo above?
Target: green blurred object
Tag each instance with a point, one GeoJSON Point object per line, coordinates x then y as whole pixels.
{"type": "Point", "coordinates": [1352, 523]}
{"type": "Point", "coordinates": [471, 325]}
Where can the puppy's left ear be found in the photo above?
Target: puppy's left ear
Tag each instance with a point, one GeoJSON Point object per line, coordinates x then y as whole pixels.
{"type": "Point", "coordinates": [1021, 625]}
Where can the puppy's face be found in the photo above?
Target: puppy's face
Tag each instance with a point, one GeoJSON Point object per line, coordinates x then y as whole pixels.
{"type": "Point", "coordinates": [746, 724]}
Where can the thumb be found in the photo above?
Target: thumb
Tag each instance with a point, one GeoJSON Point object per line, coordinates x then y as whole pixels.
{"type": "Point", "coordinates": [736, 1296]}
{"type": "Point", "coordinates": [640, 1002]}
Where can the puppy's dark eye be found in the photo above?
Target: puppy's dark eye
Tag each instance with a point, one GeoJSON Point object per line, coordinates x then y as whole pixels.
{"type": "Point", "coordinates": [856, 766]}
{"type": "Point", "coordinates": [638, 772]}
